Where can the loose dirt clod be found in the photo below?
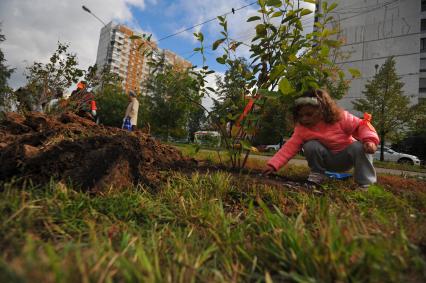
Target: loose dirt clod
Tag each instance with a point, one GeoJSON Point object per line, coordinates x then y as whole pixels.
{"type": "Point", "coordinates": [72, 149]}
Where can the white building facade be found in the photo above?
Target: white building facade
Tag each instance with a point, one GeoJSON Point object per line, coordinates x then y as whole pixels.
{"type": "Point", "coordinates": [374, 30]}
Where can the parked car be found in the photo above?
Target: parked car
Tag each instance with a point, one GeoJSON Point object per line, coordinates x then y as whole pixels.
{"type": "Point", "coordinates": [272, 147]}
{"type": "Point", "coordinates": [393, 156]}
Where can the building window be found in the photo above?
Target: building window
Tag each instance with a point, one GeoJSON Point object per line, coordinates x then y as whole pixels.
{"type": "Point", "coordinates": [422, 64]}
{"type": "Point", "coordinates": [422, 85]}
{"type": "Point", "coordinates": [423, 45]}
{"type": "Point", "coordinates": [423, 5]}
{"type": "Point", "coordinates": [423, 25]}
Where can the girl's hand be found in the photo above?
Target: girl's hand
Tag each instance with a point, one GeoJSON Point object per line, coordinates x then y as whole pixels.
{"type": "Point", "coordinates": [370, 147]}
{"type": "Point", "coordinates": [268, 170]}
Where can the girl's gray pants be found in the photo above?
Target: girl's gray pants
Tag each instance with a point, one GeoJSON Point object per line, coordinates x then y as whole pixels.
{"type": "Point", "coordinates": [320, 159]}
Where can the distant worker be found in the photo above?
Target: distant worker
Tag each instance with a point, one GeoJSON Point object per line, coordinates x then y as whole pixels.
{"type": "Point", "coordinates": [54, 103]}
{"type": "Point", "coordinates": [84, 102]}
{"type": "Point", "coordinates": [130, 120]}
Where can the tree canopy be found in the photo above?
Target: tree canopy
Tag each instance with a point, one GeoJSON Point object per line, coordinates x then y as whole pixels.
{"type": "Point", "coordinates": [6, 93]}
{"type": "Point", "coordinates": [385, 100]}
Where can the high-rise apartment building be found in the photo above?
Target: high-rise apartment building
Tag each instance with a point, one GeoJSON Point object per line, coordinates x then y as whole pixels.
{"type": "Point", "coordinates": [125, 55]}
{"type": "Point", "coordinates": [373, 31]}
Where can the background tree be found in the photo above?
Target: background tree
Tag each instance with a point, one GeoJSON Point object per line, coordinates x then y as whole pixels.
{"type": "Point", "coordinates": [418, 125]}
{"type": "Point", "coordinates": [231, 94]}
{"type": "Point", "coordinates": [111, 101]}
{"type": "Point", "coordinates": [274, 123]}
{"type": "Point", "coordinates": [196, 121]}
{"type": "Point", "coordinates": [6, 93]}
{"type": "Point", "coordinates": [168, 101]}
{"type": "Point", "coordinates": [385, 100]}
{"type": "Point", "coordinates": [44, 80]}
{"type": "Point", "coordinates": [415, 141]}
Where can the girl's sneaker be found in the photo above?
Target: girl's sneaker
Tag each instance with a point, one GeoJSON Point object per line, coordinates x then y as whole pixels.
{"type": "Point", "coordinates": [314, 182]}
{"type": "Point", "coordinates": [362, 188]}
{"type": "Point", "coordinates": [316, 178]}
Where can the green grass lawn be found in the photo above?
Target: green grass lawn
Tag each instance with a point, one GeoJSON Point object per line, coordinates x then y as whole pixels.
{"type": "Point", "coordinates": [212, 228]}
{"type": "Point", "coordinates": [215, 227]}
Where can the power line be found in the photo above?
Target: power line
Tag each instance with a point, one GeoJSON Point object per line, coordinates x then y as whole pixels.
{"type": "Point", "coordinates": [186, 29]}
{"type": "Point", "coordinates": [205, 22]}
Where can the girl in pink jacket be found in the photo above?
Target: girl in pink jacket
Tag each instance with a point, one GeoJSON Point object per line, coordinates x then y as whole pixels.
{"type": "Point", "coordinates": [332, 140]}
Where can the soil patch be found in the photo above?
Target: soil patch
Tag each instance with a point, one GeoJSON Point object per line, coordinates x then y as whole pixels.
{"type": "Point", "coordinates": [72, 149]}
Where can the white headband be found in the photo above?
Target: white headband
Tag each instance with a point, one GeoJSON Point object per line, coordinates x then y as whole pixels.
{"type": "Point", "coordinates": [306, 100]}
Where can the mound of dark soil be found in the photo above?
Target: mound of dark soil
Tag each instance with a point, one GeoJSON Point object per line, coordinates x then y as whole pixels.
{"type": "Point", "coordinates": [69, 148]}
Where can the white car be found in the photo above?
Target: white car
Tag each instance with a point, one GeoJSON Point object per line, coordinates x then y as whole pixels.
{"type": "Point", "coordinates": [391, 155]}
{"type": "Point", "coordinates": [272, 147]}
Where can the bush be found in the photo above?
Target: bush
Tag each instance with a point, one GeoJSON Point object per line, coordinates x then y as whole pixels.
{"type": "Point", "coordinates": [111, 107]}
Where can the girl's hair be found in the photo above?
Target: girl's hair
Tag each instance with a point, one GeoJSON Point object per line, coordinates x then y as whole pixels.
{"type": "Point", "coordinates": [330, 111]}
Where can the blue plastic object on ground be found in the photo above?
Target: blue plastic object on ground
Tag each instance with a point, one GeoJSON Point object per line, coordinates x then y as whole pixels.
{"type": "Point", "coordinates": [127, 124]}
{"type": "Point", "coordinates": [338, 176]}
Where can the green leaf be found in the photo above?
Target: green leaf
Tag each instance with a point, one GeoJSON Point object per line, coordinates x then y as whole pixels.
{"type": "Point", "coordinates": [197, 49]}
{"type": "Point", "coordinates": [310, 1]}
{"type": "Point", "coordinates": [292, 58]}
{"type": "Point", "coordinates": [325, 33]}
{"type": "Point", "coordinates": [325, 50]}
{"type": "Point", "coordinates": [217, 43]}
{"type": "Point", "coordinates": [305, 12]}
{"type": "Point", "coordinates": [277, 14]}
{"type": "Point", "coordinates": [275, 3]}
{"type": "Point", "coordinates": [199, 36]}
{"type": "Point", "coordinates": [332, 43]}
{"type": "Point", "coordinates": [246, 144]}
{"type": "Point", "coordinates": [332, 7]}
{"type": "Point", "coordinates": [354, 72]}
{"type": "Point", "coordinates": [268, 93]}
{"type": "Point", "coordinates": [254, 18]}
{"type": "Point", "coordinates": [231, 117]}
{"type": "Point", "coordinates": [276, 71]}
{"type": "Point", "coordinates": [324, 5]}
{"type": "Point", "coordinates": [247, 75]}
{"type": "Point", "coordinates": [135, 37]}
{"type": "Point", "coordinates": [261, 30]}
{"type": "Point", "coordinates": [285, 87]}
{"type": "Point", "coordinates": [313, 85]}
{"type": "Point", "coordinates": [221, 60]}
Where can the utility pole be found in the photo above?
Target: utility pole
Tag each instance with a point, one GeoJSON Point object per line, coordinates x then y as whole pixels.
{"type": "Point", "coordinates": [382, 118]}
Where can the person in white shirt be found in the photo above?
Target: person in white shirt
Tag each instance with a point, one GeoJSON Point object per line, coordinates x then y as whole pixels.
{"type": "Point", "coordinates": [132, 110]}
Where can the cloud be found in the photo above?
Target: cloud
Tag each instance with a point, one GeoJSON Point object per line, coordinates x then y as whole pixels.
{"type": "Point", "coordinates": [33, 28]}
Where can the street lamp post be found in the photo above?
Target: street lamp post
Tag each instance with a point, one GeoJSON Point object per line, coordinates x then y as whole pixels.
{"type": "Point", "coordinates": [382, 118]}
{"type": "Point", "coordinates": [107, 55]}
{"type": "Point", "coordinates": [90, 12]}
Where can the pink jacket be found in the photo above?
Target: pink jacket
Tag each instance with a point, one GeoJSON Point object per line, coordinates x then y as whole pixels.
{"type": "Point", "coordinates": [336, 137]}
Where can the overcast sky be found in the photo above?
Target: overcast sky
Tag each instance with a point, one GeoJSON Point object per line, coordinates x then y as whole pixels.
{"type": "Point", "coordinates": [33, 27]}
